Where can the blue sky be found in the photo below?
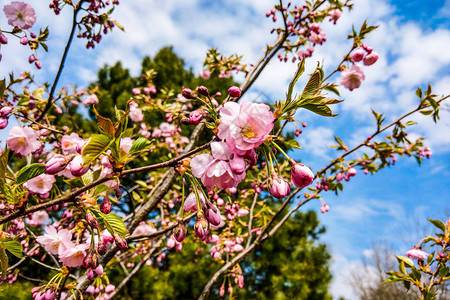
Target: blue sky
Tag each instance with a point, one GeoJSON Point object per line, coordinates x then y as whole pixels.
{"type": "Point", "coordinates": [413, 42]}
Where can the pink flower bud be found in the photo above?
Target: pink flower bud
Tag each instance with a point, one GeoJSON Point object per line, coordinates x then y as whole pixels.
{"type": "Point", "coordinates": [76, 166]}
{"type": "Point", "coordinates": [237, 164]}
{"type": "Point", "coordinates": [3, 123]}
{"type": "Point", "coordinates": [212, 214]}
{"type": "Point", "coordinates": [99, 270]}
{"type": "Point", "coordinates": [195, 117]}
{"type": "Point", "coordinates": [171, 242]}
{"type": "Point", "coordinates": [87, 260]}
{"type": "Point", "coordinates": [24, 40]}
{"type": "Point", "coordinates": [301, 175]}
{"type": "Point", "coordinates": [91, 220]}
{"type": "Point", "coordinates": [202, 90]}
{"type": "Point", "coordinates": [180, 233]}
{"type": "Point", "coordinates": [90, 290]}
{"type": "Point", "coordinates": [370, 59]}
{"type": "Point", "coordinates": [101, 248]}
{"type": "Point", "coordinates": [109, 288]}
{"type": "Point", "coordinates": [56, 164]}
{"type": "Point", "coordinates": [49, 294]}
{"type": "Point", "coordinates": [351, 172]}
{"type": "Point", "coordinates": [105, 206]}
{"type": "Point", "coordinates": [234, 91]}
{"type": "Point", "coordinates": [188, 93]}
{"type": "Point", "coordinates": [5, 110]}
{"type": "Point", "coordinates": [3, 39]}
{"type": "Point", "coordinates": [280, 188]}
{"type": "Point", "coordinates": [38, 64]}
{"type": "Point", "coordinates": [201, 227]}
{"type": "Point", "coordinates": [324, 208]}
{"type": "Point", "coordinates": [136, 91]}
{"type": "Point", "coordinates": [357, 55]}
{"type": "Point", "coordinates": [120, 241]}
{"type": "Point", "coordinates": [242, 212]}
{"type": "Point", "coordinates": [339, 176]}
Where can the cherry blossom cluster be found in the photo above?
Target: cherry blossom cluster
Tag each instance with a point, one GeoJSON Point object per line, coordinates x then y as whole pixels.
{"type": "Point", "coordinates": [22, 16]}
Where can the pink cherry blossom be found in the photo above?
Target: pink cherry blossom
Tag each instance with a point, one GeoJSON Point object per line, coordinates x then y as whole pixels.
{"type": "Point", "coordinates": [136, 114]}
{"type": "Point", "coordinates": [190, 203]}
{"type": "Point", "coordinates": [20, 14]}
{"type": "Point", "coordinates": [245, 126]}
{"type": "Point", "coordinates": [353, 77]}
{"type": "Point", "coordinates": [40, 184]}
{"type": "Point", "coordinates": [144, 228]}
{"type": "Point", "coordinates": [416, 254]}
{"type": "Point", "coordinates": [205, 74]}
{"type": "Point", "coordinates": [90, 99]}
{"type": "Point", "coordinates": [69, 143]}
{"type": "Point", "coordinates": [125, 144]}
{"type": "Point", "coordinates": [335, 14]}
{"type": "Point", "coordinates": [23, 140]}
{"type": "Point", "coordinates": [214, 170]}
{"type": "Point", "coordinates": [73, 257]}
{"type": "Point", "coordinates": [54, 241]}
{"type": "Point", "coordinates": [38, 218]}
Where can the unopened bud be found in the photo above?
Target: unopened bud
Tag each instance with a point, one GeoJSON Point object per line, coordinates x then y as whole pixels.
{"type": "Point", "coordinates": [202, 90]}
{"type": "Point", "coordinates": [188, 93]}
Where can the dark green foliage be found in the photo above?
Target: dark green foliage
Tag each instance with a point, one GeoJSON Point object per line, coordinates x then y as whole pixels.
{"type": "Point", "coordinates": [291, 265]}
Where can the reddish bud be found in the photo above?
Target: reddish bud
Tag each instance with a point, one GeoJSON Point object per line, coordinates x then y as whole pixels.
{"type": "Point", "coordinates": [188, 94]}
{"type": "Point", "coordinates": [370, 59]}
{"type": "Point", "coordinates": [301, 175]}
{"type": "Point", "coordinates": [280, 188]}
{"type": "Point", "coordinates": [120, 241]}
{"type": "Point", "coordinates": [195, 117]}
{"type": "Point", "coordinates": [56, 164]}
{"type": "Point", "coordinates": [234, 91]}
{"type": "Point", "coordinates": [180, 233]}
{"type": "Point", "coordinates": [92, 221]}
{"type": "Point", "coordinates": [106, 206]}
{"type": "Point", "coordinates": [24, 40]}
{"type": "Point", "coordinates": [202, 90]}
{"type": "Point", "coordinates": [201, 227]}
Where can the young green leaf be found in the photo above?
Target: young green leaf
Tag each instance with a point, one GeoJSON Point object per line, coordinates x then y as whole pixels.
{"type": "Point", "coordinates": [14, 247]}
{"type": "Point", "coordinates": [29, 172]}
{"type": "Point", "coordinates": [96, 145]}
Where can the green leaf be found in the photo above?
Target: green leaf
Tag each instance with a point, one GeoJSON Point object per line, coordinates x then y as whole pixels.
{"type": "Point", "coordinates": [406, 260]}
{"type": "Point", "coordinates": [29, 172]}
{"type": "Point", "coordinates": [322, 110]}
{"type": "Point", "coordinates": [88, 177]}
{"type": "Point", "coordinates": [112, 222]}
{"type": "Point", "coordinates": [105, 124]}
{"type": "Point", "coordinates": [332, 88]}
{"type": "Point", "coordinates": [443, 271]}
{"type": "Point", "coordinates": [409, 123]}
{"type": "Point", "coordinates": [118, 25]}
{"type": "Point", "coordinates": [96, 145]}
{"type": "Point", "coordinates": [419, 92]}
{"type": "Point", "coordinates": [313, 84]}
{"type": "Point", "coordinates": [139, 145]}
{"type": "Point", "coordinates": [300, 70]}
{"type": "Point", "coordinates": [14, 247]}
{"type": "Point", "coordinates": [4, 262]}
{"type": "Point", "coordinates": [293, 144]}
{"type": "Point", "coordinates": [2, 87]}
{"type": "Point", "coordinates": [438, 224]}
{"type": "Point", "coordinates": [4, 162]}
